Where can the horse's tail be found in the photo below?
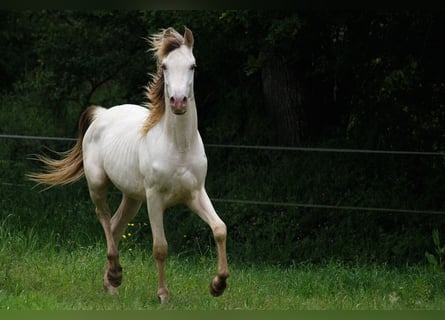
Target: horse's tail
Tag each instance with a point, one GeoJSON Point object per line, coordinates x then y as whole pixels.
{"type": "Point", "coordinates": [70, 167]}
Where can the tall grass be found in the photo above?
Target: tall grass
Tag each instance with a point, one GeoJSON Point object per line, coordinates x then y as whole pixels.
{"type": "Point", "coordinates": [34, 278]}
{"type": "Point", "coordinates": [52, 257]}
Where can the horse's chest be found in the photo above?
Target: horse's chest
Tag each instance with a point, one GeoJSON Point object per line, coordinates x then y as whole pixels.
{"type": "Point", "coordinates": [176, 181]}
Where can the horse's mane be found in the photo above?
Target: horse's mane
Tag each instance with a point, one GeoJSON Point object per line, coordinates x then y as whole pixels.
{"type": "Point", "coordinates": [162, 44]}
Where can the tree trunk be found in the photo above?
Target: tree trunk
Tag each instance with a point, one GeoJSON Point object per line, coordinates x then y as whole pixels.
{"type": "Point", "coordinates": [283, 96]}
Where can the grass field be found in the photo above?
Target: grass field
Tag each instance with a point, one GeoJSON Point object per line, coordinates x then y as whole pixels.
{"type": "Point", "coordinates": [54, 258]}
{"type": "Point", "coordinates": [49, 277]}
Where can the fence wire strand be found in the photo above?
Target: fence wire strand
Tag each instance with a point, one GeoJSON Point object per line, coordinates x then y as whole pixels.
{"type": "Point", "coordinates": [273, 203]}
{"type": "Point", "coordinates": [277, 148]}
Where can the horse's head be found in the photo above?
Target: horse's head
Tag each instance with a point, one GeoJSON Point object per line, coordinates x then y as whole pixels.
{"type": "Point", "coordinates": [178, 68]}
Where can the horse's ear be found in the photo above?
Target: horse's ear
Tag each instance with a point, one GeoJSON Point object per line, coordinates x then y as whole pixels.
{"type": "Point", "coordinates": [188, 38]}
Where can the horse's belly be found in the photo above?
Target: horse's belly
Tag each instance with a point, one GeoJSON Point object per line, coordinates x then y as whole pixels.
{"type": "Point", "coordinates": [123, 171]}
{"type": "Point", "coordinates": [132, 187]}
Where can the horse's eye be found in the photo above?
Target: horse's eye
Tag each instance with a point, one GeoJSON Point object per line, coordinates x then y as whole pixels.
{"type": "Point", "coordinates": [163, 66]}
{"type": "Point", "coordinates": [193, 67]}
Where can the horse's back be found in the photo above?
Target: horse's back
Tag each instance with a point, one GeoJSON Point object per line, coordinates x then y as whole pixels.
{"type": "Point", "coordinates": [114, 124]}
{"type": "Point", "coordinates": [121, 115]}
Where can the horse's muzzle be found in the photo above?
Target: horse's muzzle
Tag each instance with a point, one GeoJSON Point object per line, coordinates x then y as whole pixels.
{"type": "Point", "coordinates": [178, 104]}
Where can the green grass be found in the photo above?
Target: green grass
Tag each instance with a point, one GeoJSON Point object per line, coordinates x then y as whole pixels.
{"type": "Point", "coordinates": [35, 276]}
{"type": "Point", "coordinates": [52, 257]}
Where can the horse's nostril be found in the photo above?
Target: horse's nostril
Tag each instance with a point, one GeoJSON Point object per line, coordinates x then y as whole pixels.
{"type": "Point", "coordinates": [175, 100]}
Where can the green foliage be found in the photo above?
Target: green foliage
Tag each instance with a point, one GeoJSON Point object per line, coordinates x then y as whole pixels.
{"type": "Point", "coordinates": [436, 260]}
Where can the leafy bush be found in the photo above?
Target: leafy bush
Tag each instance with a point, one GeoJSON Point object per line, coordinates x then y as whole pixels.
{"type": "Point", "coordinates": [437, 260]}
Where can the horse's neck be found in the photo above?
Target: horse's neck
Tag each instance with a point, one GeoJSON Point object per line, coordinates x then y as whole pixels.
{"type": "Point", "coordinates": [182, 130]}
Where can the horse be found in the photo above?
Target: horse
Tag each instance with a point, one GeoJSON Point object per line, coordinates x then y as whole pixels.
{"type": "Point", "coordinates": [152, 153]}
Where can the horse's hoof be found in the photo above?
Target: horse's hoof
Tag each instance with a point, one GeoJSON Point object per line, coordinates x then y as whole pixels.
{"type": "Point", "coordinates": [112, 280]}
{"type": "Point", "coordinates": [110, 289]}
{"type": "Point", "coordinates": [217, 286]}
{"type": "Point", "coordinates": [163, 297]}
{"type": "Point", "coordinates": [114, 277]}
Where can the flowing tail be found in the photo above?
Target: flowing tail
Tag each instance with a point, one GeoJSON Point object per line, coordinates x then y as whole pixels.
{"type": "Point", "coordinates": [70, 167]}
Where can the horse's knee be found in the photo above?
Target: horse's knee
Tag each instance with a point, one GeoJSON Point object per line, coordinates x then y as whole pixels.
{"type": "Point", "coordinates": [220, 232]}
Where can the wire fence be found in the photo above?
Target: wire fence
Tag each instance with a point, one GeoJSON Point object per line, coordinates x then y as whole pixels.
{"type": "Point", "coordinates": [277, 148]}
{"type": "Point", "coordinates": [271, 148]}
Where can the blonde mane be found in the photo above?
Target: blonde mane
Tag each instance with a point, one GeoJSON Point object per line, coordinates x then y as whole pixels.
{"type": "Point", "coordinates": [162, 44]}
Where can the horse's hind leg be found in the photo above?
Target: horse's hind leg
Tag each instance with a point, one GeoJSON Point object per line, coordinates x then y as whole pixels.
{"type": "Point", "coordinates": [124, 214]}
{"type": "Point", "coordinates": [113, 273]}
{"type": "Point", "coordinates": [114, 228]}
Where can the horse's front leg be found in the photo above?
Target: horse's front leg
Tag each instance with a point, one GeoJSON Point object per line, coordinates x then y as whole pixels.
{"type": "Point", "coordinates": [156, 215]}
{"type": "Point", "coordinates": [200, 203]}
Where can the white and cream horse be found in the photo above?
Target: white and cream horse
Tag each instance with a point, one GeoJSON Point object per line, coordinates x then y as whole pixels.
{"type": "Point", "coordinates": [152, 154]}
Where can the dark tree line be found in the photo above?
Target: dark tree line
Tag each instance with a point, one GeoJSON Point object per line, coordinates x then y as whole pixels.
{"type": "Point", "coordinates": [374, 78]}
